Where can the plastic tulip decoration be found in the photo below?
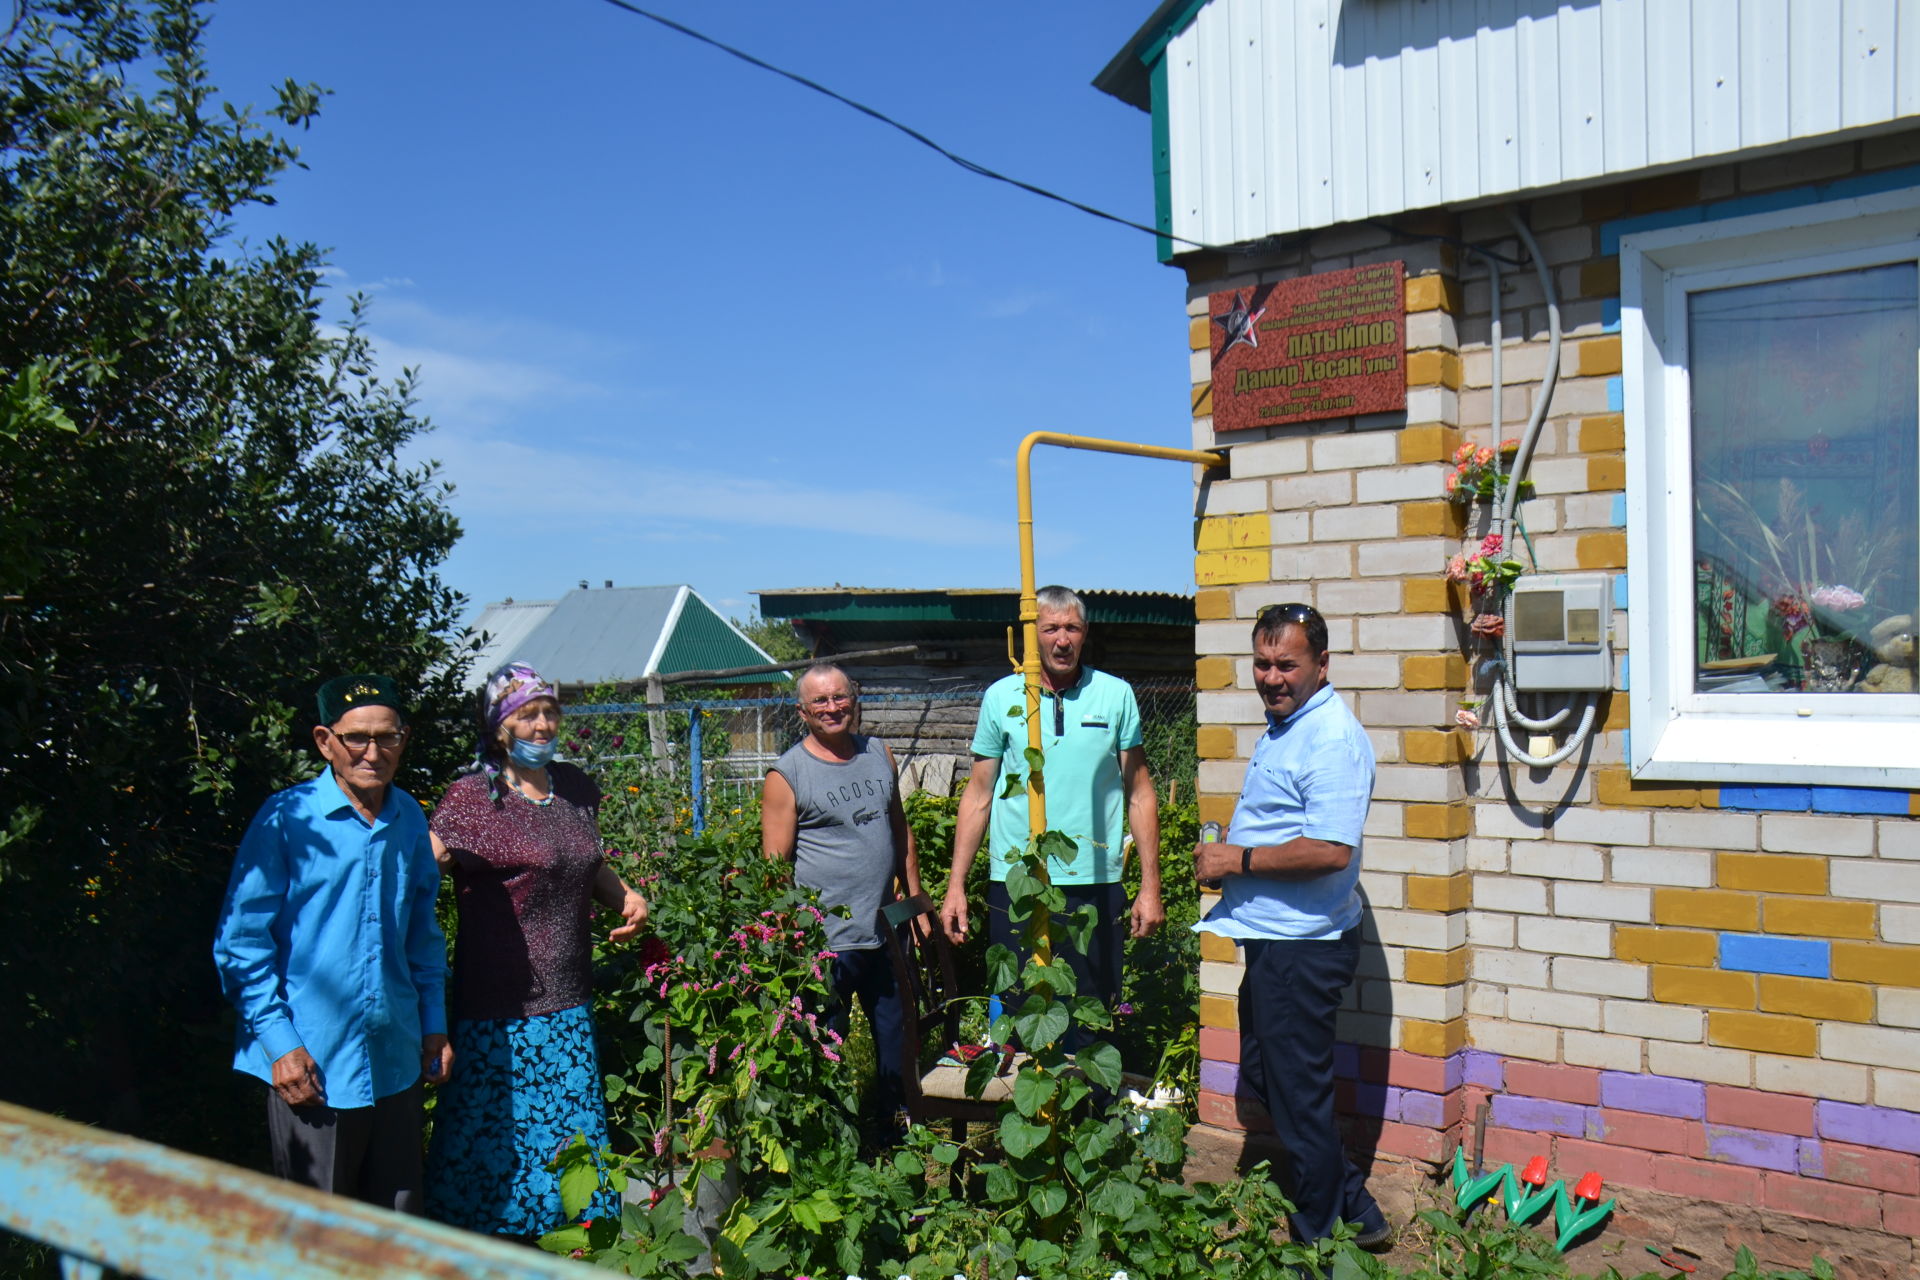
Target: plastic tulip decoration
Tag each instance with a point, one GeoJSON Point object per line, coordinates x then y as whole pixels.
{"type": "Point", "coordinates": [1527, 1193]}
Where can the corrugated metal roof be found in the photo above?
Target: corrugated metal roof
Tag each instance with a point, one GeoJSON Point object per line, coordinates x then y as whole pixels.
{"type": "Point", "coordinates": [616, 635]}
{"type": "Point", "coordinates": [506, 624]}
{"type": "Point", "coordinates": [963, 604]}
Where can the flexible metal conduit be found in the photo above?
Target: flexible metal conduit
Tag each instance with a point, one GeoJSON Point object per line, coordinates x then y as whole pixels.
{"type": "Point", "coordinates": [1506, 709]}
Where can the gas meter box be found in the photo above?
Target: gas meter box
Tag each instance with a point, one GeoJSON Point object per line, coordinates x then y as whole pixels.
{"type": "Point", "coordinates": [1562, 632]}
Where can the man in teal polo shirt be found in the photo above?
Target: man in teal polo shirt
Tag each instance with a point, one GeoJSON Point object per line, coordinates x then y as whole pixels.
{"type": "Point", "coordinates": [1098, 788]}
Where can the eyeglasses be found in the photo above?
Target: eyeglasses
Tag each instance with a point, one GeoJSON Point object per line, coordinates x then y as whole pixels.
{"type": "Point", "coordinates": [830, 701]}
{"type": "Point", "coordinates": [359, 742]}
{"type": "Point", "coordinates": [1300, 614]}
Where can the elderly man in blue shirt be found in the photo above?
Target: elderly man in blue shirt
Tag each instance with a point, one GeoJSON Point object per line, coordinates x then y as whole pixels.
{"type": "Point", "coordinates": [1289, 874]}
{"type": "Point", "coordinates": [329, 949]}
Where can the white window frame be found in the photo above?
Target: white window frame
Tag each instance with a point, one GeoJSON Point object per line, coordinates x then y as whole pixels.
{"type": "Point", "coordinates": [1832, 739]}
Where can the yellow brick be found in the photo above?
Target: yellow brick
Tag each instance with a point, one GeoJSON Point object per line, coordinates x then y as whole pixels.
{"type": "Point", "coordinates": [1428, 443]}
{"type": "Point", "coordinates": [1433, 671]}
{"type": "Point", "coordinates": [1687, 947]}
{"type": "Point", "coordinates": [1600, 279]}
{"type": "Point", "coordinates": [1219, 1011]}
{"type": "Point", "coordinates": [1436, 968]}
{"type": "Point", "coordinates": [1615, 711]}
{"type": "Point", "coordinates": [1764, 1032]}
{"type": "Point", "coordinates": [1436, 821]}
{"type": "Point", "coordinates": [1222, 533]}
{"type": "Point", "coordinates": [1617, 787]}
{"type": "Point", "coordinates": [1709, 987]}
{"type": "Point", "coordinates": [1816, 998]}
{"type": "Point", "coordinates": [1433, 368]}
{"type": "Point", "coordinates": [1217, 809]}
{"type": "Point", "coordinates": [1706, 908]}
{"type": "Point", "coordinates": [1603, 433]}
{"type": "Point", "coordinates": [1598, 357]}
{"type": "Point", "coordinates": [1913, 805]}
{"type": "Point", "coordinates": [1433, 746]}
{"type": "Point", "coordinates": [1818, 917]}
{"type": "Point", "coordinates": [1606, 474]}
{"type": "Point", "coordinates": [1214, 671]}
{"type": "Point", "coordinates": [1211, 568]}
{"type": "Point", "coordinates": [1433, 293]}
{"type": "Point", "coordinates": [1877, 962]}
{"type": "Point", "coordinates": [1434, 1039]}
{"type": "Point", "coordinates": [1215, 742]}
{"type": "Point", "coordinates": [1216, 948]}
{"type": "Point", "coordinates": [1428, 595]}
{"type": "Point", "coordinates": [1601, 550]}
{"type": "Point", "coordinates": [1772, 873]}
{"type": "Point", "coordinates": [1202, 395]}
{"type": "Point", "coordinates": [1439, 893]}
{"type": "Point", "coordinates": [1432, 519]}
{"type": "Point", "coordinates": [1200, 333]}
{"type": "Point", "coordinates": [1213, 605]}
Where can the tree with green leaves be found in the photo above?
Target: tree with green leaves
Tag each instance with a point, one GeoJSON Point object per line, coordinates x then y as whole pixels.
{"type": "Point", "coordinates": [204, 512]}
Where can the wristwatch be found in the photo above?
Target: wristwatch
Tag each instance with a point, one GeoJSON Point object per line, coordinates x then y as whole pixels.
{"type": "Point", "coordinates": [1246, 860]}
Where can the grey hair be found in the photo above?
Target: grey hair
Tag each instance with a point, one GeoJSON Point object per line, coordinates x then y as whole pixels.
{"type": "Point", "coordinates": [1058, 599]}
{"type": "Point", "coordinates": [826, 669]}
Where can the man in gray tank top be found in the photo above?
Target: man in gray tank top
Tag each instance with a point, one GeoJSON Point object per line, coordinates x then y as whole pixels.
{"type": "Point", "coordinates": [831, 805]}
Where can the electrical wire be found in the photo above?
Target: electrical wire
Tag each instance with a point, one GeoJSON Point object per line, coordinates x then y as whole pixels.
{"type": "Point", "coordinates": [970, 166]}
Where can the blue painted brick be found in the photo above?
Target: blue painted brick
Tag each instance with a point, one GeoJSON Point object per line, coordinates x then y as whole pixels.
{"type": "Point", "coordinates": [1755, 953]}
{"type": "Point", "coordinates": [1859, 800]}
{"type": "Point", "coordinates": [1610, 315]}
{"type": "Point", "coordinates": [1619, 517]}
{"type": "Point", "coordinates": [1610, 232]}
{"type": "Point", "coordinates": [1625, 660]}
{"type": "Point", "coordinates": [1620, 588]}
{"type": "Point", "coordinates": [1616, 395]}
{"type": "Point", "coordinates": [1767, 799]}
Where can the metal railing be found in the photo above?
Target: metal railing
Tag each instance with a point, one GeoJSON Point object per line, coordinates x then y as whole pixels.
{"type": "Point", "coordinates": [723, 751]}
{"type": "Point", "coordinates": [103, 1200]}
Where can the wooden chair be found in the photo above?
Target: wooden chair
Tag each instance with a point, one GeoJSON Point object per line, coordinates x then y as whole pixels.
{"type": "Point", "coordinates": [923, 973]}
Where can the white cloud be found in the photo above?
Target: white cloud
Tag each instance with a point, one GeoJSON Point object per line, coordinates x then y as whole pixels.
{"type": "Point", "coordinates": [1017, 304]}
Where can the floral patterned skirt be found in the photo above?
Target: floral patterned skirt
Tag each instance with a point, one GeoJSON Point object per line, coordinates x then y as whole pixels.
{"type": "Point", "coordinates": [521, 1089]}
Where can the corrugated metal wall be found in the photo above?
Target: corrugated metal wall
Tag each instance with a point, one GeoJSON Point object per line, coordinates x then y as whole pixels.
{"type": "Point", "coordinates": [1290, 114]}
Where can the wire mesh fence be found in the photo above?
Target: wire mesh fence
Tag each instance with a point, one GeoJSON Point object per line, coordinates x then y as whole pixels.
{"type": "Point", "coordinates": [715, 751]}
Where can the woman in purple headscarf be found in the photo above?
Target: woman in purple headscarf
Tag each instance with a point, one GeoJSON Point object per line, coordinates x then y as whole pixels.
{"type": "Point", "coordinates": [520, 834]}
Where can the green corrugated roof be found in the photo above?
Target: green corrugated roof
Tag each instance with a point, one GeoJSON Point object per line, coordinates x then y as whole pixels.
{"type": "Point", "coordinates": [703, 641]}
{"type": "Point", "coordinates": [963, 604]}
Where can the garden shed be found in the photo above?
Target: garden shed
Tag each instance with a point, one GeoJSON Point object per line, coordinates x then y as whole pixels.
{"type": "Point", "coordinates": [1669, 251]}
{"type": "Point", "coordinates": [616, 636]}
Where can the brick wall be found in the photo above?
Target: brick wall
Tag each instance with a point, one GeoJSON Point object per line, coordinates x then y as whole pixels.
{"type": "Point", "coordinates": [1710, 991]}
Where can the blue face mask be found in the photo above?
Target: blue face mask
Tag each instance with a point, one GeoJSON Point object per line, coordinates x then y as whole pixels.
{"type": "Point", "coordinates": [531, 754]}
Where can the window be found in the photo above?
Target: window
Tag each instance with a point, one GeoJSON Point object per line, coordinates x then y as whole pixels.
{"type": "Point", "coordinates": [1772, 396]}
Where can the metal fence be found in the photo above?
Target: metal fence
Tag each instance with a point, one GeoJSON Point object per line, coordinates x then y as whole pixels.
{"type": "Point", "coordinates": [101, 1200]}
{"type": "Point", "coordinates": [718, 749]}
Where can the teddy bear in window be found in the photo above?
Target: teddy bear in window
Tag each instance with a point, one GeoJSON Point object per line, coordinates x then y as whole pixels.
{"type": "Point", "coordinates": [1892, 643]}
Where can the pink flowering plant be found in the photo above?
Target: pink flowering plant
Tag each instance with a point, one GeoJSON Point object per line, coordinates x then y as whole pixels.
{"type": "Point", "coordinates": [1488, 573]}
{"type": "Point", "coordinates": [1480, 473]}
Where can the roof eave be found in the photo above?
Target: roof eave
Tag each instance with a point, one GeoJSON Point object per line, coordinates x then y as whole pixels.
{"type": "Point", "coordinates": [1126, 76]}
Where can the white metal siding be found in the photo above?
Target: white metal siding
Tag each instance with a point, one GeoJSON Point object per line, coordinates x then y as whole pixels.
{"type": "Point", "coordinates": [1290, 114]}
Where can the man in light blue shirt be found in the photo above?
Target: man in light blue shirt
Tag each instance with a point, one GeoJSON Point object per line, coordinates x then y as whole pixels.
{"type": "Point", "coordinates": [1289, 875]}
{"type": "Point", "coordinates": [329, 949]}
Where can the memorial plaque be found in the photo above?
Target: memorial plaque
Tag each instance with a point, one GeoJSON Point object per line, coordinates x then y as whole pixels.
{"type": "Point", "coordinates": [1323, 346]}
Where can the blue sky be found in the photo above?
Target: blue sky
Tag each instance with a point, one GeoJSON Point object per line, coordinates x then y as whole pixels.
{"type": "Point", "coordinates": [679, 320]}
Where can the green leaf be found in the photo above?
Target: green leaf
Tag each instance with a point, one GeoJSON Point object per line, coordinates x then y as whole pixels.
{"type": "Point", "coordinates": [1101, 1062]}
{"type": "Point", "coordinates": [1011, 785]}
{"type": "Point", "coordinates": [1116, 1198]}
{"type": "Point", "coordinates": [982, 1070]}
{"type": "Point", "coordinates": [946, 1153]}
{"type": "Point", "coordinates": [1040, 1021]}
{"type": "Point", "coordinates": [1057, 846]}
{"type": "Point", "coordinates": [1032, 1091]}
{"type": "Point", "coordinates": [1056, 978]}
{"type": "Point", "coordinates": [1040, 1255]}
{"type": "Point", "coordinates": [579, 1183]}
{"type": "Point", "coordinates": [1095, 1138]}
{"type": "Point", "coordinates": [1019, 1136]}
{"type": "Point", "coordinates": [1092, 1013]}
{"type": "Point", "coordinates": [1047, 1199]}
{"type": "Point", "coordinates": [1022, 885]}
{"type": "Point", "coordinates": [565, 1240]}
{"type": "Point", "coordinates": [1035, 761]}
{"type": "Point", "coordinates": [905, 1162]}
{"type": "Point", "coordinates": [1002, 1186]}
{"type": "Point", "coordinates": [1003, 968]}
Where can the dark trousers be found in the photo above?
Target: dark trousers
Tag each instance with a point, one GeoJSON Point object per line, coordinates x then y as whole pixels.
{"type": "Point", "coordinates": [368, 1153]}
{"type": "Point", "coordinates": [1288, 1000]}
{"type": "Point", "coordinates": [868, 976]}
{"type": "Point", "coordinates": [1098, 971]}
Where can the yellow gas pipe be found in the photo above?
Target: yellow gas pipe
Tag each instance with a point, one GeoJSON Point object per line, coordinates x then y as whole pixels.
{"type": "Point", "coordinates": [1030, 609]}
